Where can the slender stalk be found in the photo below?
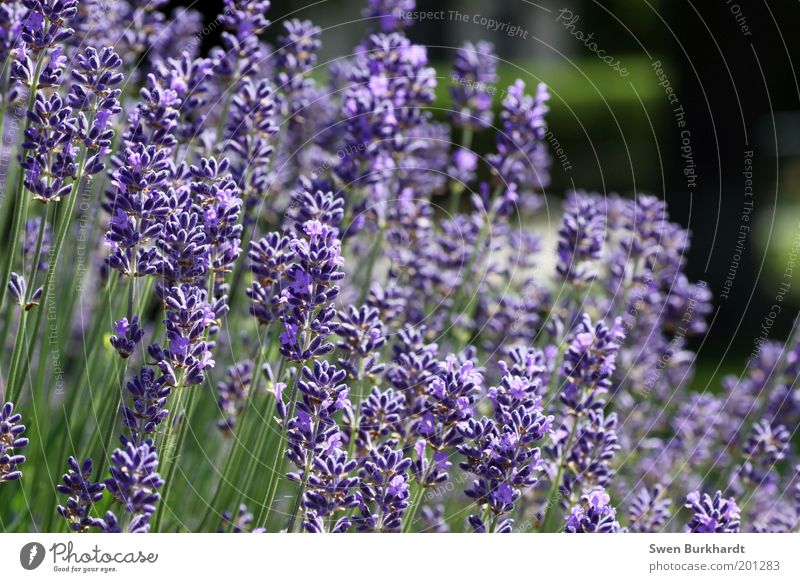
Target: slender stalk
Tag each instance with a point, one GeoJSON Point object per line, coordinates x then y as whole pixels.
{"type": "Point", "coordinates": [239, 431]}
{"type": "Point", "coordinates": [458, 189]}
{"type": "Point", "coordinates": [19, 341]}
{"type": "Point", "coordinates": [21, 200]}
{"type": "Point", "coordinates": [552, 493]}
{"type": "Point", "coordinates": [373, 258]}
{"type": "Point", "coordinates": [411, 514]}
{"type": "Point", "coordinates": [298, 500]}
{"type": "Point", "coordinates": [61, 235]}
{"type": "Point", "coordinates": [169, 444]}
{"type": "Point", "coordinates": [276, 467]}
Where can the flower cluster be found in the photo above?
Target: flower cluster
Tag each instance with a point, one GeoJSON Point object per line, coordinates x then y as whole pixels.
{"type": "Point", "coordinates": [82, 494]}
{"type": "Point", "coordinates": [594, 514]}
{"type": "Point", "coordinates": [11, 440]}
{"type": "Point", "coordinates": [134, 483]}
{"type": "Point", "coordinates": [712, 514]}
{"type": "Point", "coordinates": [276, 228]}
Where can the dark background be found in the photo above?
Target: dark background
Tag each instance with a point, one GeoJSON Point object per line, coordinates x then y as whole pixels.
{"type": "Point", "coordinates": [739, 93]}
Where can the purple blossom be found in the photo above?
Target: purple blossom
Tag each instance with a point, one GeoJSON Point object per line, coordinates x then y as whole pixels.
{"type": "Point", "coordinates": [473, 80]}
{"type": "Point", "coordinates": [11, 440]}
{"type": "Point", "coordinates": [649, 510]}
{"type": "Point", "coordinates": [594, 514]}
{"type": "Point", "coordinates": [389, 15]}
{"type": "Point", "coordinates": [134, 482]}
{"type": "Point", "coordinates": [580, 238]}
{"type": "Point", "coordinates": [233, 393]}
{"type": "Point", "coordinates": [82, 494]}
{"type": "Point", "coordinates": [712, 515]}
{"type": "Point", "coordinates": [383, 491]}
{"type": "Point", "coordinates": [127, 336]}
{"type": "Point", "coordinates": [148, 397]}
{"type": "Point", "coordinates": [311, 287]}
{"type": "Point", "coordinates": [589, 363]}
{"type": "Point", "coordinates": [522, 157]}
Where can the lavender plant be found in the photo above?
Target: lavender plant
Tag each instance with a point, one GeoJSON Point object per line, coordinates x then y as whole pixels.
{"type": "Point", "coordinates": [262, 301]}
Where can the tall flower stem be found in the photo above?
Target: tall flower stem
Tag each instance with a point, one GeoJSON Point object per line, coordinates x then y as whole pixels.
{"type": "Point", "coordinates": [459, 298]}
{"type": "Point", "coordinates": [276, 466]}
{"type": "Point", "coordinates": [298, 500]}
{"type": "Point", "coordinates": [411, 513]}
{"type": "Point", "coordinates": [244, 422]}
{"type": "Point", "coordinates": [552, 494]}
{"type": "Point", "coordinates": [63, 224]}
{"type": "Point", "coordinates": [19, 341]}
{"type": "Point", "coordinates": [458, 188]}
{"type": "Point", "coordinates": [169, 445]}
{"type": "Point", "coordinates": [20, 199]}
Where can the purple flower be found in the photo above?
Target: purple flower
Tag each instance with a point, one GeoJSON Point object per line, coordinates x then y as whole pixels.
{"type": "Point", "coordinates": [593, 515]}
{"type": "Point", "coordinates": [250, 129]}
{"type": "Point", "coordinates": [382, 417]}
{"type": "Point", "coordinates": [331, 490]}
{"type": "Point", "coordinates": [47, 176]}
{"type": "Point", "coordinates": [390, 15]}
{"type": "Point", "coordinates": [474, 76]}
{"type": "Point", "coordinates": [240, 523]}
{"type": "Point", "coordinates": [11, 440]}
{"type": "Point", "coordinates": [233, 393]}
{"type": "Point", "coordinates": [580, 239]}
{"type": "Point", "coordinates": [383, 491]}
{"type": "Point", "coordinates": [311, 290]}
{"type": "Point", "coordinates": [82, 495]}
{"type": "Point", "coordinates": [712, 515]}
{"type": "Point", "coordinates": [522, 157]}
{"type": "Point", "coordinates": [502, 452]}
{"type": "Point", "coordinates": [134, 482]}
{"type": "Point", "coordinates": [140, 206]}
{"type": "Point", "coordinates": [363, 337]}
{"type": "Point", "coordinates": [390, 82]}
{"type": "Point", "coordinates": [589, 363]}
{"type": "Point", "coordinates": [149, 396]}
{"type": "Point", "coordinates": [649, 510]}
{"type": "Point", "coordinates": [187, 323]}
{"type": "Point", "coordinates": [127, 336]}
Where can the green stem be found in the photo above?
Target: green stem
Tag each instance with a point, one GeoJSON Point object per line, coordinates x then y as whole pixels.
{"type": "Point", "coordinates": [298, 500]}
{"type": "Point", "coordinates": [61, 235]}
{"type": "Point", "coordinates": [276, 467]}
{"type": "Point", "coordinates": [373, 258]}
{"type": "Point", "coordinates": [411, 514]}
{"type": "Point", "coordinates": [238, 437]}
{"type": "Point", "coordinates": [21, 202]}
{"type": "Point", "coordinates": [552, 494]}
{"type": "Point", "coordinates": [168, 448]}
{"type": "Point", "coordinates": [457, 189]}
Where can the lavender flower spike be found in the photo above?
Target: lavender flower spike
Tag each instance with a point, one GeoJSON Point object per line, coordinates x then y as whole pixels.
{"type": "Point", "coordinates": [82, 495]}
{"type": "Point", "coordinates": [134, 482]}
{"type": "Point", "coordinates": [594, 514]}
{"type": "Point", "coordinates": [712, 514]}
{"type": "Point", "coordinates": [11, 440]}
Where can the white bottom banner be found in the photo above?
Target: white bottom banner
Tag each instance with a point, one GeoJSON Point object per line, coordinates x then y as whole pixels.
{"type": "Point", "coordinates": [401, 557]}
